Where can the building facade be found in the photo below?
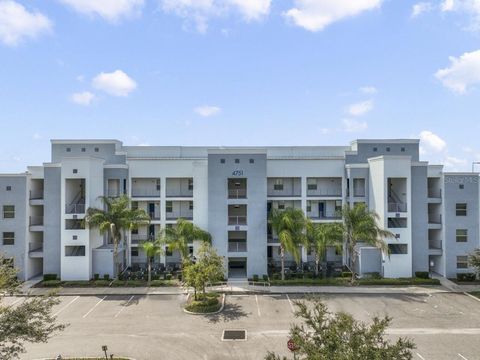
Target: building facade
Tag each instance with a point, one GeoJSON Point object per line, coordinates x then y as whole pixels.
{"type": "Point", "coordinates": [229, 191]}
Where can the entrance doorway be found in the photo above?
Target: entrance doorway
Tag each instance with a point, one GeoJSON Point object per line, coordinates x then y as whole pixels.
{"type": "Point", "coordinates": [237, 268]}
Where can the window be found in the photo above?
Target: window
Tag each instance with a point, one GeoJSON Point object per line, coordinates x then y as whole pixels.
{"type": "Point", "coordinates": [74, 237]}
{"type": "Point", "coordinates": [158, 184]}
{"type": "Point", "coordinates": [169, 206]}
{"type": "Point", "coordinates": [309, 208]}
{"type": "Point", "coordinates": [462, 262]}
{"type": "Point", "coordinates": [252, 161]}
{"type": "Point", "coordinates": [281, 206]}
{"type": "Point", "coordinates": [461, 186]}
{"type": "Point", "coordinates": [402, 149]}
{"type": "Point", "coordinates": [388, 148]}
{"type": "Point", "coordinates": [311, 184]}
{"type": "Point", "coordinates": [278, 185]}
{"type": "Point", "coordinates": [8, 188]}
{"type": "Point", "coordinates": [75, 171]}
{"type": "Point", "coordinates": [222, 161]}
{"type": "Point", "coordinates": [8, 211]}
{"type": "Point", "coordinates": [83, 149]}
{"type": "Point", "coordinates": [69, 149]}
{"type": "Point", "coordinates": [134, 205]}
{"type": "Point", "coordinates": [397, 223]}
{"type": "Point", "coordinates": [190, 184]}
{"type": "Point", "coordinates": [75, 250]}
{"type": "Point", "coordinates": [190, 205]}
{"type": "Point", "coordinates": [134, 251]}
{"type": "Point", "coordinates": [168, 252]}
{"type": "Point", "coordinates": [8, 238]}
{"type": "Point", "coordinates": [134, 231]}
{"type": "Point", "coordinates": [462, 235]}
{"type": "Point", "coordinates": [96, 149]}
{"type": "Point", "coordinates": [397, 249]}
{"type": "Point", "coordinates": [237, 161]}
{"type": "Point", "coordinates": [338, 206]}
{"type": "Point", "coordinates": [375, 149]}
{"type": "Point", "coordinates": [461, 209]}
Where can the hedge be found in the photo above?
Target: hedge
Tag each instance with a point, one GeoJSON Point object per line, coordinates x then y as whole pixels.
{"type": "Point", "coordinates": [467, 277]}
{"type": "Point", "coordinates": [346, 282]}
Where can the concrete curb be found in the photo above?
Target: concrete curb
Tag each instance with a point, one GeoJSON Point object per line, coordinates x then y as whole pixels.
{"type": "Point", "coordinates": [212, 313]}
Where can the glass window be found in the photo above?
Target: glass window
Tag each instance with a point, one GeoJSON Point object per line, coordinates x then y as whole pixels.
{"type": "Point", "coordinates": [461, 209]}
{"type": "Point", "coordinates": [396, 249]}
{"type": "Point", "coordinates": [75, 250]}
{"type": "Point", "coordinates": [252, 161]}
{"type": "Point", "coordinates": [190, 205]}
{"type": "Point", "coordinates": [222, 161]}
{"type": "Point", "coordinates": [311, 184]}
{"type": "Point", "coordinates": [134, 251]}
{"type": "Point", "coordinates": [169, 206]}
{"type": "Point", "coordinates": [462, 235]}
{"type": "Point", "coordinates": [462, 262]}
{"type": "Point", "coordinates": [8, 211]}
{"type": "Point", "coordinates": [278, 185]}
{"type": "Point", "coordinates": [8, 238]}
{"type": "Point", "coordinates": [237, 161]}
{"type": "Point", "coordinates": [190, 184]}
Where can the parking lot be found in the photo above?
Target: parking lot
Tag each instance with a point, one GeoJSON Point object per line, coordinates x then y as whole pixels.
{"type": "Point", "coordinates": [443, 325]}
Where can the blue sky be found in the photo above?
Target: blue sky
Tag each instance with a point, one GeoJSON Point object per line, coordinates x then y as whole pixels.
{"type": "Point", "coordinates": [239, 72]}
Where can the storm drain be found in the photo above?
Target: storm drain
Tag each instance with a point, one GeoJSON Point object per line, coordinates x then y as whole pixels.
{"type": "Point", "coordinates": [234, 335]}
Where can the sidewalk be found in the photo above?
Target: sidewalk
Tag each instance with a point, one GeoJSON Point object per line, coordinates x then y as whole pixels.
{"type": "Point", "coordinates": [451, 286]}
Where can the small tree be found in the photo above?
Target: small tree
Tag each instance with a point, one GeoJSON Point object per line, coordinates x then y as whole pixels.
{"type": "Point", "coordinates": [29, 322]}
{"type": "Point", "coordinates": [339, 336]}
{"type": "Point", "coordinates": [151, 249]}
{"type": "Point", "coordinates": [474, 260]}
{"type": "Point", "coordinates": [208, 268]}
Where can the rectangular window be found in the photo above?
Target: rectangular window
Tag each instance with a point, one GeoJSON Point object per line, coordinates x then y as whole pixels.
{"type": "Point", "coordinates": [278, 185]}
{"type": "Point", "coordinates": [281, 206]}
{"type": "Point", "coordinates": [169, 206]}
{"type": "Point", "coordinates": [69, 149]}
{"type": "Point", "coordinates": [402, 149]}
{"type": "Point", "coordinates": [134, 251]}
{"type": "Point", "coordinates": [8, 238]}
{"type": "Point", "coordinates": [9, 188]}
{"type": "Point", "coordinates": [311, 184]}
{"type": "Point", "coordinates": [461, 209]}
{"type": "Point", "coordinates": [83, 149]}
{"type": "Point", "coordinates": [462, 235]}
{"type": "Point", "coordinates": [237, 161]}
{"type": "Point", "coordinates": [397, 223]}
{"type": "Point", "coordinates": [8, 211]}
{"type": "Point", "coordinates": [190, 205]}
{"type": "Point", "coordinates": [396, 249]}
{"type": "Point", "coordinates": [75, 250]}
{"type": "Point", "coordinates": [96, 149]}
{"type": "Point", "coordinates": [158, 184]}
{"type": "Point", "coordinates": [309, 208]}
{"type": "Point", "coordinates": [190, 184]}
{"type": "Point", "coordinates": [222, 161]}
{"type": "Point", "coordinates": [252, 161]}
{"type": "Point", "coordinates": [462, 262]}
{"type": "Point", "coordinates": [134, 231]}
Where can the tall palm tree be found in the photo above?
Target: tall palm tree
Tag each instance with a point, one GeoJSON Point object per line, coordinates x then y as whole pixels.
{"type": "Point", "coordinates": [151, 248]}
{"type": "Point", "coordinates": [361, 226]}
{"type": "Point", "coordinates": [289, 225]}
{"type": "Point", "coordinates": [322, 236]}
{"type": "Point", "coordinates": [184, 233]}
{"type": "Point", "coordinates": [116, 218]}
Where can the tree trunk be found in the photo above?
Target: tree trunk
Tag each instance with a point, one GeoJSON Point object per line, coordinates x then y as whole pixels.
{"type": "Point", "coordinates": [115, 257]}
{"type": "Point", "coordinates": [317, 262]}
{"type": "Point", "coordinates": [352, 264]}
{"type": "Point", "coordinates": [149, 271]}
{"type": "Point", "coordinates": [282, 258]}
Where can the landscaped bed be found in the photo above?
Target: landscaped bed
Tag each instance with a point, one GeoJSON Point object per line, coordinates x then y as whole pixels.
{"type": "Point", "coordinates": [346, 282]}
{"type": "Point", "coordinates": [107, 283]}
{"type": "Point", "coordinates": [475, 293]}
{"type": "Point", "coordinates": [204, 304]}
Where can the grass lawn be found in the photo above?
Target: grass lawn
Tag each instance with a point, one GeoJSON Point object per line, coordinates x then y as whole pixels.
{"type": "Point", "coordinates": [107, 283]}
{"type": "Point", "coordinates": [346, 282]}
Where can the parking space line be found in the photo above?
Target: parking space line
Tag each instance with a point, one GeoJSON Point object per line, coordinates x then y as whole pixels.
{"type": "Point", "coordinates": [420, 356]}
{"type": "Point", "coordinates": [94, 306]}
{"type": "Point", "coordinates": [124, 306]}
{"type": "Point", "coordinates": [258, 307]}
{"type": "Point", "coordinates": [463, 357]}
{"type": "Point", "coordinates": [290, 302]}
{"type": "Point", "coordinates": [66, 306]}
{"type": "Point", "coordinates": [16, 301]}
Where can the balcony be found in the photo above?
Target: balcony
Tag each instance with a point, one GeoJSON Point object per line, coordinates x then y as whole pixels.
{"type": "Point", "coordinates": [179, 209]}
{"type": "Point", "coordinates": [179, 187]}
{"type": "Point", "coordinates": [284, 187]}
{"type": "Point", "coordinates": [36, 194]}
{"type": "Point", "coordinates": [154, 215]}
{"type": "Point", "coordinates": [237, 215]}
{"type": "Point", "coordinates": [35, 250]}
{"type": "Point", "coordinates": [140, 238]}
{"type": "Point", "coordinates": [237, 246]}
{"type": "Point", "coordinates": [75, 208]}
{"type": "Point", "coordinates": [237, 220]}
{"type": "Point", "coordinates": [145, 188]}
{"type": "Point", "coordinates": [237, 188]}
{"type": "Point", "coordinates": [396, 207]}
{"type": "Point", "coordinates": [435, 219]}
{"type": "Point", "coordinates": [324, 187]}
{"type": "Point", "coordinates": [36, 223]}
{"type": "Point", "coordinates": [435, 247]}
{"type": "Point", "coordinates": [335, 215]}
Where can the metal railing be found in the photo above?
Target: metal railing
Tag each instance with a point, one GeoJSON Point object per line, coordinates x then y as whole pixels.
{"type": "Point", "coordinates": [179, 194]}
{"type": "Point", "coordinates": [325, 192]}
{"type": "Point", "coordinates": [35, 247]}
{"type": "Point", "coordinates": [145, 192]}
{"type": "Point", "coordinates": [154, 215]}
{"type": "Point", "coordinates": [435, 193]}
{"type": "Point", "coordinates": [179, 214]}
{"type": "Point", "coordinates": [434, 218]}
{"type": "Point", "coordinates": [237, 220]}
{"type": "Point", "coordinates": [36, 194]}
{"type": "Point", "coordinates": [75, 208]}
{"type": "Point", "coordinates": [397, 207]}
{"type": "Point", "coordinates": [326, 216]}
{"type": "Point", "coordinates": [435, 244]}
{"type": "Point", "coordinates": [139, 238]}
{"type": "Point", "coordinates": [237, 193]}
{"type": "Point", "coordinates": [36, 221]}
{"type": "Point", "coordinates": [237, 246]}
{"type": "Point", "coordinates": [113, 193]}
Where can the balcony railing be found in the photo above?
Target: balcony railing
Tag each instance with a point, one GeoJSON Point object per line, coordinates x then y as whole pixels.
{"type": "Point", "coordinates": [435, 244]}
{"type": "Point", "coordinates": [237, 193]}
{"type": "Point", "coordinates": [237, 220]}
{"type": "Point", "coordinates": [179, 194]}
{"type": "Point", "coordinates": [179, 214]}
{"type": "Point", "coordinates": [145, 192]}
{"type": "Point", "coordinates": [36, 221]}
{"type": "Point", "coordinates": [35, 247]}
{"type": "Point", "coordinates": [237, 246]}
{"type": "Point", "coordinates": [139, 238]}
{"type": "Point", "coordinates": [36, 194]}
{"type": "Point", "coordinates": [154, 215]}
{"type": "Point", "coordinates": [113, 193]}
{"type": "Point", "coordinates": [75, 208]}
{"type": "Point", "coordinates": [397, 207]}
{"type": "Point", "coordinates": [326, 216]}
{"type": "Point", "coordinates": [325, 192]}
{"type": "Point", "coordinates": [434, 218]}
{"type": "Point", "coordinates": [435, 193]}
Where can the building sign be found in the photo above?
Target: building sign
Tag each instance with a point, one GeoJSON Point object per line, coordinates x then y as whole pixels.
{"type": "Point", "coordinates": [237, 173]}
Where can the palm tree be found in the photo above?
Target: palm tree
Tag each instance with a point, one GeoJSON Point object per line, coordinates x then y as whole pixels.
{"type": "Point", "coordinates": [360, 226]}
{"type": "Point", "coordinates": [322, 236]}
{"type": "Point", "coordinates": [151, 248]}
{"type": "Point", "coordinates": [289, 225]}
{"type": "Point", "coordinates": [116, 218]}
{"type": "Point", "coordinates": [184, 233]}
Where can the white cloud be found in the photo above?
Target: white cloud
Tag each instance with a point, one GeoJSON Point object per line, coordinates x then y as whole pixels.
{"type": "Point", "coordinates": [111, 10]}
{"type": "Point", "coordinates": [116, 83]}
{"type": "Point", "coordinates": [17, 23]}
{"type": "Point", "coordinates": [316, 15]}
{"type": "Point", "coordinates": [420, 8]}
{"type": "Point", "coordinates": [469, 7]}
{"type": "Point", "coordinates": [431, 142]}
{"type": "Point", "coordinates": [36, 136]}
{"type": "Point", "coordinates": [84, 98]}
{"type": "Point", "coordinates": [352, 125]}
{"type": "Point", "coordinates": [447, 5]}
{"type": "Point", "coordinates": [207, 110]}
{"type": "Point", "coordinates": [361, 108]}
{"type": "Point", "coordinates": [368, 90]}
{"type": "Point", "coordinates": [462, 73]}
{"type": "Point", "coordinates": [199, 12]}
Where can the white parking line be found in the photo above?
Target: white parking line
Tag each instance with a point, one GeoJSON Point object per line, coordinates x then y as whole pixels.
{"type": "Point", "coordinates": [420, 356]}
{"type": "Point", "coordinates": [290, 302]}
{"type": "Point", "coordinates": [463, 357]}
{"type": "Point", "coordinates": [124, 306]}
{"type": "Point", "coordinates": [94, 306]}
{"type": "Point", "coordinates": [258, 307]}
{"type": "Point", "coordinates": [66, 306]}
{"type": "Point", "coordinates": [16, 301]}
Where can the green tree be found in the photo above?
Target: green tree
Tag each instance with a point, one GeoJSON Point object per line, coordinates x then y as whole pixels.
{"type": "Point", "coordinates": [151, 249]}
{"type": "Point", "coordinates": [116, 218]}
{"type": "Point", "coordinates": [182, 235]}
{"type": "Point", "coordinates": [321, 237]}
{"type": "Point", "coordinates": [474, 260]}
{"type": "Point", "coordinates": [208, 268]}
{"type": "Point", "coordinates": [327, 336]}
{"type": "Point", "coordinates": [361, 226]}
{"type": "Point", "coordinates": [31, 321]}
{"type": "Point", "coordinates": [290, 226]}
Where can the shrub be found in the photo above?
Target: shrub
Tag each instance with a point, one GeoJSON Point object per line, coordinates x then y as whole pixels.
{"type": "Point", "coordinates": [204, 304]}
{"type": "Point", "coordinates": [106, 277]}
{"type": "Point", "coordinates": [168, 276]}
{"type": "Point", "coordinates": [101, 283]}
{"type": "Point", "coordinates": [346, 274]}
{"type": "Point", "coordinates": [96, 276]}
{"type": "Point", "coordinates": [136, 283]}
{"type": "Point", "coordinates": [155, 277]}
{"type": "Point", "coordinates": [276, 276]}
{"type": "Point", "coordinates": [255, 277]}
{"type": "Point", "coordinates": [49, 277]}
{"type": "Point", "coordinates": [52, 283]}
{"type": "Point", "coordinates": [157, 283]}
{"type": "Point", "coordinates": [466, 277]}
{"type": "Point", "coordinates": [422, 274]}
